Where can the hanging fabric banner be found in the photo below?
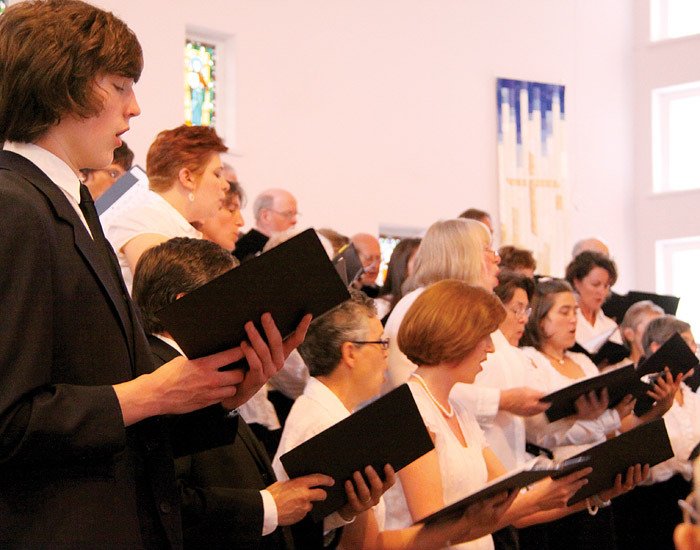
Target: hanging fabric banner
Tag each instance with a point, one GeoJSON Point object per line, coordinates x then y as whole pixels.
{"type": "Point", "coordinates": [532, 166]}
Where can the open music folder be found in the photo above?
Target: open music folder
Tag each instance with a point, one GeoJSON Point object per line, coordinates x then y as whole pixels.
{"type": "Point", "coordinates": [388, 431]}
{"type": "Point", "coordinates": [288, 281]}
{"type": "Point", "coordinates": [619, 383]}
{"type": "Point", "coordinates": [645, 444]}
{"type": "Point", "coordinates": [674, 354]}
{"type": "Point", "coordinates": [515, 480]}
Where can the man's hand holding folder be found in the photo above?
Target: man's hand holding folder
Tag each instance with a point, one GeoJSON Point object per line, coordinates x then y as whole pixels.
{"type": "Point", "coordinates": [183, 385]}
{"type": "Point", "coordinates": [264, 359]}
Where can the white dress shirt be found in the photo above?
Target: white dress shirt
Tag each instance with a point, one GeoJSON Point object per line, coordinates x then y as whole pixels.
{"type": "Point", "coordinates": [292, 377]}
{"type": "Point", "coordinates": [56, 170]}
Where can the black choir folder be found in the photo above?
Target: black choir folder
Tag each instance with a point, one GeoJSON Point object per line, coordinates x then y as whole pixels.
{"type": "Point", "coordinates": [288, 281]}
{"type": "Point", "coordinates": [617, 304]}
{"type": "Point", "coordinates": [512, 481]}
{"type": "Point", "coordinates": [388, 431]}
{"type": "Point", "coordinates": [646, 444]}
{"type": "Point", "coordinates": [348, 265]}
{"type": "Point", "coordinates": [601, 350]}
{"type": "Point", "coordinates": [607, 354]}
{"type": "Point", "coordinates": [674, 354]}
{"type": "Point", "coordinates": [619, 382]}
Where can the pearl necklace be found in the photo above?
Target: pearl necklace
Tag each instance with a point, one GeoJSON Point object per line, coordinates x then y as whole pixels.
{"type": "Point", "coordinates": [449, 413]}
{"type": "Point", "coordinates": [555, 358]}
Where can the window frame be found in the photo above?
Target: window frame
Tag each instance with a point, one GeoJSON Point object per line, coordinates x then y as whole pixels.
{"type": "Point", "coordinates": [661, 99]}
{"type": "Point", "coordinates": [659, 22]}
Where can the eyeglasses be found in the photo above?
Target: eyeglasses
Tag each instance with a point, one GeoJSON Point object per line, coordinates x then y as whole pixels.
{"type": "Point", "coordinates": [369, 260]}
{"type": "Point", "coordinates": [287, 214]}
{"type": "Point", "coordinates": [384, 342]}
{"type": "Point", "coordinates": [494, 253]}
{"type": "Point", "coordinates": [521, 311]}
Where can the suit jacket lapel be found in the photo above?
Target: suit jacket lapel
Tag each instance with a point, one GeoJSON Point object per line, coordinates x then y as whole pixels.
{"type": "Point", "coordinates": [258, 452]}
{"type": "Point", "coordinates": [83, 242]}
{"type": "Point", "coordinates": [165, 352]}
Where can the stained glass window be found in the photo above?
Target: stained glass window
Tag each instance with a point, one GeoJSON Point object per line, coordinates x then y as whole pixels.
{"type": "Point", "coordinates": [200, 83]}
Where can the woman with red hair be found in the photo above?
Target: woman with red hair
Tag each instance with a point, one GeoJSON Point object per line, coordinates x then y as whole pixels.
{"type": "Point", "coordinates": [186, 187]}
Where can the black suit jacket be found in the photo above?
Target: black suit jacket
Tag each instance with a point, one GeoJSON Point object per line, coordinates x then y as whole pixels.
{"type": "Point", "coordinates": [250, 244]}
{"type": "Point", "coordinates": [70, 473]}
{"type": "Point", "coordinates": [220, 488]}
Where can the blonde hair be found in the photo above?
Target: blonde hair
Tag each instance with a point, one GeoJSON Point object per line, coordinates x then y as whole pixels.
{"type": "Point", "coordinates": [451, 249]}
{"type": "Point", "coordinates": [447, 321]}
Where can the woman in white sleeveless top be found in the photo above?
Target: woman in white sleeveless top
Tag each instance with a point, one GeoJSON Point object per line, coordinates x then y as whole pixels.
{"type": "Point", "coordinates": [446, 332]}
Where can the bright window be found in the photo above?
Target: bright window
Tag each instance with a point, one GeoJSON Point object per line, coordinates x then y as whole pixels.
{"type": "Point", "coordinates": [389, 237]}
{"type": "Point", "coordinates": [676, 274]}
{"type": "Point", "coordinates": [3, 5]}
{"type": "Point", "coordinates": [676, 134]}
{"type": "Point", "coordinates": [200, 83]}
{"type": "Point", "coordinates": [674, 18]}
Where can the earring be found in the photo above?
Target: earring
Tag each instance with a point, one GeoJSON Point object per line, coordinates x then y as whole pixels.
{"type": "Point", "coordinates": [191, 196]}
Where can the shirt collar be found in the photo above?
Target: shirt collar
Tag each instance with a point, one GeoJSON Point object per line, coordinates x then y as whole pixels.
{"type": "Point", "coordinates": [178, 218]}
{"type": "Point", "coordinates": [172, 343]}
{"type": "Point", "coordinates": [56, 169]}
{"type": "Point", "coordinates": [322, 394]}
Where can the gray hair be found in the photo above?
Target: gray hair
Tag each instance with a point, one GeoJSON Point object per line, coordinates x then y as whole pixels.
{"type": "Point", "coordinates": [264, 201]}
{"type": "Point", "coordinates": [636, 313]}
{"type": "Point", "coordinates": [661, 329]}
{"type": "Point", "coordinates": [321, 349]}
{"type": "Point", "coordinates": [451, 249]}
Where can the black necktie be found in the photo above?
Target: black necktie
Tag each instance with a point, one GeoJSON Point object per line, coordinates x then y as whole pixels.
{"type": "Point", "coordinates": [87, 207]}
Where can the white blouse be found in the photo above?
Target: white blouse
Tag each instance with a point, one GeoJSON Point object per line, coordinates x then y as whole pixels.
{"type": "Point", "coordinates": [568, 436]}
{"type": "Point", "coordinates": [586, 332]}
{"type": "Point", "coordinates": [506, 368]}
{"type": "Point", "coordinates": [462, 469]}
{"type": "Point", "coordinates": [315, 410]}
{"type": "Point", "coordinates": [400, 367]}
{"type": "Point", "coordinates": [142, 213]}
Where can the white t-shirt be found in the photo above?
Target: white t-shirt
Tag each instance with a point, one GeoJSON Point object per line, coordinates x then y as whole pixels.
{"type": "Point", "coordinates": [143, 213]}
{"type": "Point", "coordinates": [462, 469]}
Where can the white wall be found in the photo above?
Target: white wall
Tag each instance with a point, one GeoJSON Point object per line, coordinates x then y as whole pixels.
{"type": "Point", "coordinates": [668, 215]}
{"type": "Point", "coordinates": [383, 111]}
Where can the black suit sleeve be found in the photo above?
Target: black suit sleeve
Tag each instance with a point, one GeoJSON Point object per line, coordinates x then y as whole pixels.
{"type": "Point", "coordinates": [217, 514]}
{"type": "Point", "coordinates": [44, 418]}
